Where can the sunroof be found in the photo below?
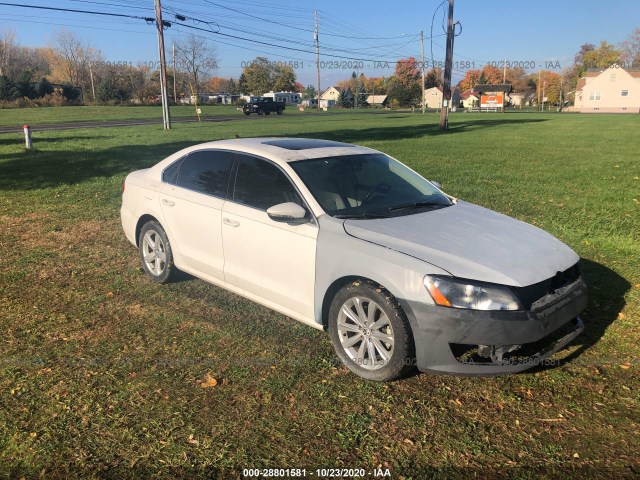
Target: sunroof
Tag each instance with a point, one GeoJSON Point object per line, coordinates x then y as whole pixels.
{"type": "Point", "coordinates": [305, 143]}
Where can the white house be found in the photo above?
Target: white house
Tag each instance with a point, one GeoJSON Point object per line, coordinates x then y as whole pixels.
{"type": "Point", "coordinates": [433, 97]}
{"type": "Point", "coordinates": [331, 93]}
{"type": "Point", "coordinates": [608, 90]}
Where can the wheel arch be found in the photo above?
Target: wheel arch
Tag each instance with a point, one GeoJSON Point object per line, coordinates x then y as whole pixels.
{"type": "Point", "coordinates": [141, 222]}
{"type": "Point", "coordinates": [338, 284]}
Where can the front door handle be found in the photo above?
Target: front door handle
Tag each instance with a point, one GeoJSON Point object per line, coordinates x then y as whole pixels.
{"type": "Point", "coordinates": [168, 203]}
{"type": "Point", "coordinates": [231, 223]}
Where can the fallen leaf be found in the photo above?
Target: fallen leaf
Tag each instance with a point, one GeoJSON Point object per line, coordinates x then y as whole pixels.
{"type": "Point", "coordinates": [575, 455]}
{"type": "Point", "coordinates": [209, 381]}
{"type": "Point", "coordinates": [110, 294]}
{"type": "Point", "coordinates": [621, 316]}
{"type": "Point", "coordinates": [410, 442]}
{"type": "Point", "coordinates": [625, 366]}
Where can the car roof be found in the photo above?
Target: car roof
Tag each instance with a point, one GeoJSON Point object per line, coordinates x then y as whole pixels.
{"type": "Point", "coordinates": [285, 149]}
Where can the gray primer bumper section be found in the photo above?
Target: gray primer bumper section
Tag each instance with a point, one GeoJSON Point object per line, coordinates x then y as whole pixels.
{"type": "Point", "coordinates": [434, 328]}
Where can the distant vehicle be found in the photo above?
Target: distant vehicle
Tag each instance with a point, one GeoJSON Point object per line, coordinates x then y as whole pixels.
{"type": "Point", "coordinates": [347, 239]}
{"type": "Point", "coordinates": [263, 105]}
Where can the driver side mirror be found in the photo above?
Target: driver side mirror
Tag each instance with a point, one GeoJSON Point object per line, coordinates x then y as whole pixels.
{"type": "Point", "coordinates": [287, 212]}
{"type": "Point", "coordinates": [436, 184]}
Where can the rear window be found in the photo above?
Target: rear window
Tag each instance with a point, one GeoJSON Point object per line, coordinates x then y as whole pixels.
{"type": "Point", "coordinates": [206, 171]}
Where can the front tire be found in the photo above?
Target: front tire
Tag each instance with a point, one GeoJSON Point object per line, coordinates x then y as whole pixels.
{"type": "Point", "coordinates": [155, 253]}
{"type": "Point", "coordinates": [279, 112]}
{"type": "Point", "coordinates": [370, 332]}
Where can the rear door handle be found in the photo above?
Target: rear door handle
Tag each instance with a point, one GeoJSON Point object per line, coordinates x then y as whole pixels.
{"type": "Point", "coordinates": [168, 203]}
{"type": "Point", "coordinates": [231, 223]}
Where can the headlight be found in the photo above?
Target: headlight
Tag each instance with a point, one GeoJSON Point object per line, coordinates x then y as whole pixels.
{"type": "Point", "coordinates": [450, 292]}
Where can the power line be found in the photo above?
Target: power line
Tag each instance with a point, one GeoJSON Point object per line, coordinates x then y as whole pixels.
{"type": "Point", "coordinates": [73, 10]}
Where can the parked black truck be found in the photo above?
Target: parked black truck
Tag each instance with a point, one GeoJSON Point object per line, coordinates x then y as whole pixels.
{"type": "Point", "coordinates": [263, 105]}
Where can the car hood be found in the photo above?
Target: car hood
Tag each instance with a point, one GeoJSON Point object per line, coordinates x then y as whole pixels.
{"type": "Point", "coordinates": [471, 242]}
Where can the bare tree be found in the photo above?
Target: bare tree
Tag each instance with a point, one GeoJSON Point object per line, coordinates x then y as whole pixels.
{"type": "Point", "coordinates": [196, 58]}
{"type": "Point", "coordinates": [8, 49]}
{"type": "Point", "coordinates": [71, 58]}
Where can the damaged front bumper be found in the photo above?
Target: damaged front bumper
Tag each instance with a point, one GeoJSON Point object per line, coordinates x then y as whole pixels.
{"type": "Point", "coordinates": [472, 342]}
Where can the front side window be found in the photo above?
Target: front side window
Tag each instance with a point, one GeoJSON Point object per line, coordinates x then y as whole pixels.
{"type": "Point", "coordinates": [367, 185]}
{"type": "Point", "coordinates": [206, 171]}
{"type": "Point", "coordinates": [260, 184]}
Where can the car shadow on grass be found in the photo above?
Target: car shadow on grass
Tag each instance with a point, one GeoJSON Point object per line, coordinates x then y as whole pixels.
{"type": "Point", "coordinates": [39, 169]}
{"type": "Point", "coordinates": [607, 292]}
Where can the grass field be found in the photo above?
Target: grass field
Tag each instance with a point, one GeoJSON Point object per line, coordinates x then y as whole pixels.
{"type": "Point", "coordinates": [101, 371]}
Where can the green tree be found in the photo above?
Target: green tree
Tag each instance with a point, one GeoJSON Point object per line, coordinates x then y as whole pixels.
{"type": "Point", "coordinates": [284, 79]}
{"type": "Point", "coordinates": [70, 92]}
{"type": "Point", "coordinates": [110, 90]}
{"type": "Point", "coordinates": [345, 99]}
{"type": "Point", "coordinates": [259, 76]}
{"type": "Point", "coordinates": [7, 88]}
{"type": "Point", "coordinates": [405, 85]}
{"type": "Point", "coordinates": [433, 78]}
{"type": "Point", "coordinates": [243, 88]}
{"type": "Point", "coordinates": [24, 87]}
{"type": "Point", "coordinates": [602, 57]}
{"type": "Point", "coordinates": [309, 92]}
{"type": "Point", "coordinates": [44, 88]}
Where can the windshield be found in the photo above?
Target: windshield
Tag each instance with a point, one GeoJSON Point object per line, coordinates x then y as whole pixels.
{"type": "Point", "coordinates": [367, 185]}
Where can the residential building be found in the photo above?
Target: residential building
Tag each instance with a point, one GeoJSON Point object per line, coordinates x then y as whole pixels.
{"type": "Point", "coordinates": [377, 100]}
{"type": "Point", "coordinates": [469, 99]}
{"type": "Point", "coordinates": [433, 97]}
{"type": "Point", "coordinates": [608, 90]}
{"type": "Point", "coordinates": [331, 93]}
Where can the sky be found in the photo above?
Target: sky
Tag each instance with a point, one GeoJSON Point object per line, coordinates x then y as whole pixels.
{"type": "Point", "coordinates": [366, 37]}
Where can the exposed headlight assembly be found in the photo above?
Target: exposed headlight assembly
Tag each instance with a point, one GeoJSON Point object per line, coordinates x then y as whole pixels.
{"type": "Point", "coordinates": [456, 293]}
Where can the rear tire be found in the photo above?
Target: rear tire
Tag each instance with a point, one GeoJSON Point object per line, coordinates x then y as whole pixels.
{"type": "Point", "coordinates": [247, 113]}
{"type": "Point", "coordinates": [370, 332]}
{"type": "Point", "coordinates": [155, 253]}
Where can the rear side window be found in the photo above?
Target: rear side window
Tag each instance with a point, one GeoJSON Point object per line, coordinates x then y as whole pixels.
{"type": "Point", "coordinates": [260, 184]}
{"type": "Point", "coordinates": [206, 171]}
{"type": "Point", "coordinates": [170, 174]}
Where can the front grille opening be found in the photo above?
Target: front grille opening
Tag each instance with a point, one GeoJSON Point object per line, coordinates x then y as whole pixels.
{"type": "Point", "coordinates": [531, 294]}
{"type": "Point", "coordinates": [528, 353]}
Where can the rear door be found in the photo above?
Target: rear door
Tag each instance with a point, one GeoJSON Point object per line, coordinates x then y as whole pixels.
{"type": "Point", "coordinates": [274, 260]}
{"type": "Point", "coordinates": [195, 188]}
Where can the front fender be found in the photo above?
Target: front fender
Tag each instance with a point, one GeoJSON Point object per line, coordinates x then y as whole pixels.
{"type": "Point", "coordinates": [341, 256]}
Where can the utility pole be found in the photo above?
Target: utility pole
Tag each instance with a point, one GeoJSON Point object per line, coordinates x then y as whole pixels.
{"type": "Point", "coordinates": [166, 118]}
{"type": "Point", "coordinates": [422, 47]}
{"type": "Point", "coordinates": [315, 36]}
{"type": "Point", "coordinates": [539, 87]}
{"type": "Point", "coordinates": [93, 88]}
{"type": "Point", "coordinates": [446, 87]}
{"type": "Point", "coordinates": [560, 104]}
{"type": "Point", "coordinates": [544, 85]}
{"type": "Point", "coordinates": [175, 93]}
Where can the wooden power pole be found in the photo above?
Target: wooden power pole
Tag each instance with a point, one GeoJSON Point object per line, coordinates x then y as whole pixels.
{"type": "Point", "coordinates": [422, 47]}
{"type": "Point", "coordinates": [166, 118]}
{"type": "Point", "coordinates": [317, 58]}
{"type": "Point", "coordinates": [446, 87]}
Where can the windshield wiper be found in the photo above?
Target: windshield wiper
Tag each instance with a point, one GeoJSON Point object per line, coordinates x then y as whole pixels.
{"type": "Point", "coordinates": [363, 215]}
{"type": "Point", "coordinates": [407, 206]}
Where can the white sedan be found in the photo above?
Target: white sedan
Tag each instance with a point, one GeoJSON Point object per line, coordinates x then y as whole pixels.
{"type": "Point", "coordinates": [347, 239]}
